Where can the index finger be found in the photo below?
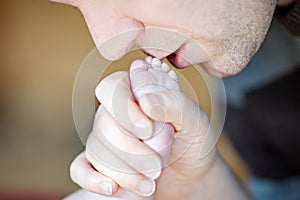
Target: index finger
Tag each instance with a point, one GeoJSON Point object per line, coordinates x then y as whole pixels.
{"type": "Point", "coordinates": [115, 95]}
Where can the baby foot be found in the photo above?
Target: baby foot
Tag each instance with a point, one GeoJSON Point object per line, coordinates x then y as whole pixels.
{"type": "Point", "coordinates": [153, 76]}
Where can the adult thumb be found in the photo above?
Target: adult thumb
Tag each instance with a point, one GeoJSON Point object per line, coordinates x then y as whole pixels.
{"type": "Point", "coordinates": [194, 141]}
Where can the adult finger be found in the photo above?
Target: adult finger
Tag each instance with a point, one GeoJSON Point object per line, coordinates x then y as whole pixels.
{"type": "Point", "coordinates": [194, 141]}
{"type": "Point", "coordinates": [115, 95]}
{"type": "Point", "coordinates": [179, 110]}
{"type": "Point", "coordinates": [83, 173]}
{"type": "Point", "coordinates": [110, 165]}
{"type": "Point", "coordinates": [127, 148]}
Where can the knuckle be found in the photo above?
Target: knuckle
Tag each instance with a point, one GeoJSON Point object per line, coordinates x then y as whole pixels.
{"type": "Point", "coordinates": [102, 88]}
{"type": "Point", "coordinates": [103, 122]}
{"type": "Point", "coordinates": [74, 170]}
{"type": "Point", "coordinates": [105, 86]}
{"type": "Point", "coordinates": [72, 173]}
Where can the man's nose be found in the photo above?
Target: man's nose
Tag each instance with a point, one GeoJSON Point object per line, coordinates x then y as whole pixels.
{"type": "Point", "coordinates": [112, 33]}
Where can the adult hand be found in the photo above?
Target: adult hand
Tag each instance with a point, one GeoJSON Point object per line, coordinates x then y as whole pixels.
{"type": "Point", "coordinates": [114, 149]}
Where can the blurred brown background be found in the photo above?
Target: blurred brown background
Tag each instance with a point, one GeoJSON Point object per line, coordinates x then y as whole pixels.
{"type": "Point", "coordinates": [43, 45]}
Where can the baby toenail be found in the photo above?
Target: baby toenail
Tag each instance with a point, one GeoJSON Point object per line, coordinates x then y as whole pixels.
{"type": "Point", "coordinates": [148, 59]}
{"type": "Point", "coordinates": [156, 62]}
{"type": "Point", "coordinates": [173, 75]}
{"type": "Point", "coordinates": [165, 67]}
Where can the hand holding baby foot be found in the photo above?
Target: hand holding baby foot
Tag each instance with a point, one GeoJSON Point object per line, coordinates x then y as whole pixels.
{"type": "Point", "coordinates": [114, 148]}
{"type": "Point", "coordinates": [150, 76]}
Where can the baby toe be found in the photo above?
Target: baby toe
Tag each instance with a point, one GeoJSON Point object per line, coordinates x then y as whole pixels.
{"type": "Point", "coordinates": [148, 59]}
{"type": "Point", "coordinates": [173, 75]}
{"type": "Point", "coordinates": [139, 65]}
{"type": "Point", "coordinates": [155, 63]}
{"type": "Point", "coordinates": [165, 67]}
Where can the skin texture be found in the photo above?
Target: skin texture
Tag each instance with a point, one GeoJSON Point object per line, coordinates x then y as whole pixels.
{"type": "Point", "coordinates": [229, 33]}
{"type": "Point", "coordinates": [191, 176]}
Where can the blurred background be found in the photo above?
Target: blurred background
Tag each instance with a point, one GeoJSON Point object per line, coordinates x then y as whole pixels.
{"type": "Point", "coordinates": [43, 45]}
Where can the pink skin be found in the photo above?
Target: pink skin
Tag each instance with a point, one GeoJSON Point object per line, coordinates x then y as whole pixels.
{"type": "Point", "coordinates": [146, 76]}
{"type": "Point", "coordinates": [229, 33]}
{"type": "Point", "coordinates": [152, 76]}
{"type": "Point", "coordinates": [145, 79]}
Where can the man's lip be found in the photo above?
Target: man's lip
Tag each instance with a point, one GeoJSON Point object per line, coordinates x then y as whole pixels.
{"type": "Point", "coordinates": [156, 53]}
{"type": "Point", "coordinates": [213, 66]}
{"type": "Point", "coordinates": [177, 61]}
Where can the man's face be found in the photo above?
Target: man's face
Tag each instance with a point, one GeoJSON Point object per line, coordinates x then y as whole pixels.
{"type": "Point", "coordinates": [229, 32]}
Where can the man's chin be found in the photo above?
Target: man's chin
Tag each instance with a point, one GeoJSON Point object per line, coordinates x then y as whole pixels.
{"type": "Point", "coordinates": [223, 66]}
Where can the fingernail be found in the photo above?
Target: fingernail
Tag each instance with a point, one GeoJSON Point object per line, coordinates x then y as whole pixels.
{"type": "Point", "coordinates": [106, 187]}
{"type": "Point", "coordinates": [147, 187]}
